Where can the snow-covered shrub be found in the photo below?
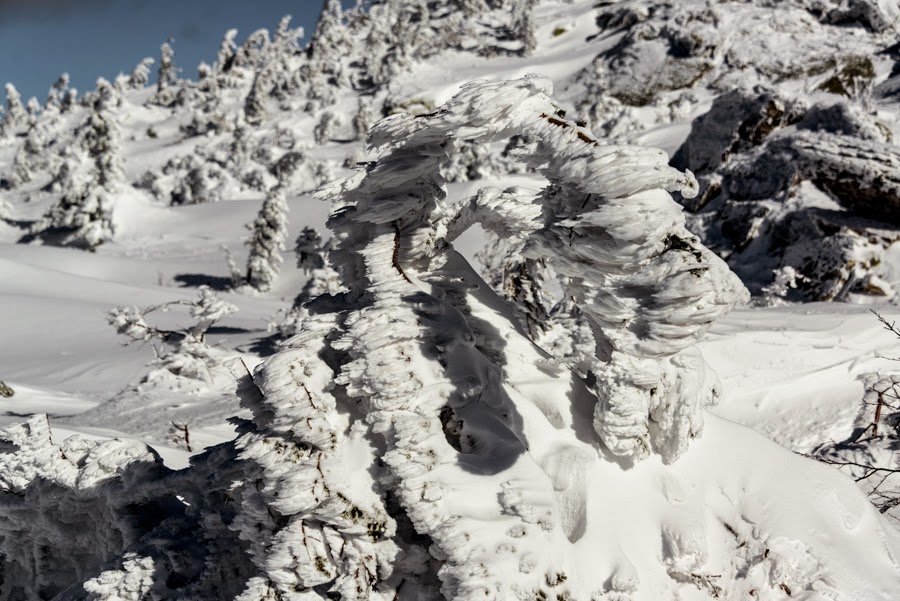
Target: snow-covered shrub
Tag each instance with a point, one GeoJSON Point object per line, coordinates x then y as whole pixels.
{"type": "Point", "coordinates": [194, 181]}
{"type": "Point", "coordinates": [869, 454]}
{"type": "Point", "coordinates": [777, 292]}
{"type": "Point", "coordinates": [188, 355]}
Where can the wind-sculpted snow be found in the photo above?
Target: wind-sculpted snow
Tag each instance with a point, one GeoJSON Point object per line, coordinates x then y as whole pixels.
{"type": "Point", "coordinates": [412, 442]}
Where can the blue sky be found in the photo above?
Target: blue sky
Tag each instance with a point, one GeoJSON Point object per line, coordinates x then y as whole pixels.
{"type": "Point", "coordinates": [39, 39]}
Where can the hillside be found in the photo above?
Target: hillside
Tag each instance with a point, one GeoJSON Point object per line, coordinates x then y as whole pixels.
{"type": "Point", "coordinates": [476, 357]}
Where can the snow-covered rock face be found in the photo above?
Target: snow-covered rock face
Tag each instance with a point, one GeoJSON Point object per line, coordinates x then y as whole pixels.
{"type": "Point", "coordinates": [808, 154]}
{"type": "Point", "coordinates": [813, 189]}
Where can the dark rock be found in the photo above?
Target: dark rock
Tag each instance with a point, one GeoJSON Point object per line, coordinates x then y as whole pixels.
{"type": "Point", "coordinates": [866, 13]}
{"type": "Point", "coordinates": [737, 122]}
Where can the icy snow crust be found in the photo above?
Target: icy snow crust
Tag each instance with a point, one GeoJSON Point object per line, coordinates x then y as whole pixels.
{"type": "Point", "coordinates": [412, 442]}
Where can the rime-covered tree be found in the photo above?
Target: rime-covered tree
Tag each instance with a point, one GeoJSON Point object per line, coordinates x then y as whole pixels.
{"type": "Point", "coordinates": [16, 116]}
{"type": "Point", "coordinates": [523, 25]}
{"type": "Point", "coordinates": [285, 79]}
{"type": "Point", "coordinates": [362, 120]}
{"type": "Point", "coordinates": [140, 76]}
{"type": "Point", "coordinates": [308, 248]}
{"type": "Point", "coordinates": [69, 100]}
{"type": "Point", "coordinates": [227, 52]}
{"type": "Point", "coordinates": [57, 93]}
{"type": "Point", "coordinates": [323, 132]}
{"type": "Point", "coordinates": [31, 157]}
{"type": "Point", "coordinates": [331, 37]}
{"type": "Point", "coordinates": [254, 53]}
{"type": "Point", "coordinates": [254, 109]}
{"type": "Point", "coordinates": [166, 76]}
{"type": "Point", "coordinates": [267, 241]}
{"type": "Point", "coordinates": [89, 178]}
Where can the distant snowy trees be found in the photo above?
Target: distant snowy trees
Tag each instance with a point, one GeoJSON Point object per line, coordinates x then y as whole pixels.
{"type": "Point", "coordinates": [88, 178]}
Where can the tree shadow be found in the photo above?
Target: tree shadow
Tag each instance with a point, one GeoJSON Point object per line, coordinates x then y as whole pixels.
{"type": "Point", "coordinates": [196, 280]}
{"type": "Point", "coordinates": [226, 330]}
{"type": "Point", "coordinates": [480, 421]}
{"type": "Point", "coordinates": [264, 346]}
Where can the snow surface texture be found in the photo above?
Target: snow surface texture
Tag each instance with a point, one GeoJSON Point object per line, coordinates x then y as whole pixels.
{"type": "Point", "coordinates": [412, 439]}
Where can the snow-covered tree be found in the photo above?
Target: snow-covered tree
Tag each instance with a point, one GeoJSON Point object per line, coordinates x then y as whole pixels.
{"type": "Point", "coordinates": [227, 51]}
{"type": "Point", "coordinates": [254, 52]}
{"type": "Point", "coordinates": [69, 100]}
{"type": "Point", "coordinates": [31, 157]}
{"type": "Point", "coordinates": [323, 132]}
{"type": "Point", "coordinates": [267, 240]}
{"type": "Point", "coordinates": [254, 110]}
{"type": "Point", "coordinates": [140, 76]}
{"type": "Point", "coordinates": [16, 115]}
{"type": "Point", "coordinates": [308, 248]}
{"type": "Point", "coordinates": [523, 25]}
{"type": "Point", "coordinates": [331, 37]}
{"type": "Point", "coordinates": [57, 93]}
{"type": "Point", "coordinates": [166, 76]}
{"type": "Point", "coordinates": [89, 177]}
{"type": "Point", "coordinates": [362, 120]}
{"type": "Point", "coordinates": [286, 80]}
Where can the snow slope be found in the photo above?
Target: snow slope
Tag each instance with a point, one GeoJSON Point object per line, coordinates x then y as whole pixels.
{"type": "Point", "coordinates": [735, 516]}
